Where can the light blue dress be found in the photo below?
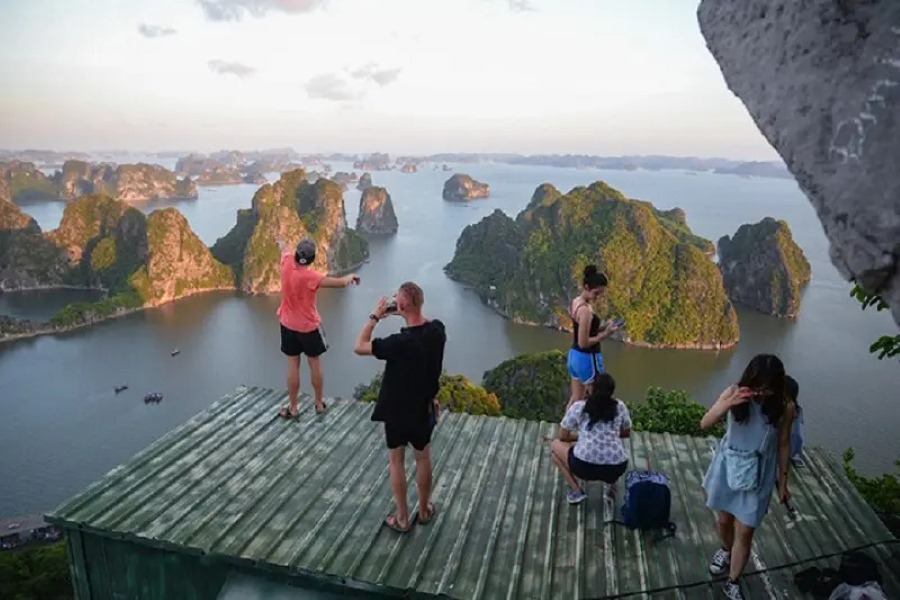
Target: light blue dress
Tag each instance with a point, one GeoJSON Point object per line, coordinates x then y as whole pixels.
{"type": "Point", "coordinates": [747, 507]}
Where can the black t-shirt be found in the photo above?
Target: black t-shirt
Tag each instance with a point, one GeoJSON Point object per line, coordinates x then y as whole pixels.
{"type": "Point", "coordinates": [414, 360]}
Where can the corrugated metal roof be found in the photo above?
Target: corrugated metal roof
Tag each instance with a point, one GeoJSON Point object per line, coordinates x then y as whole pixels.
{"type": "Point", "coordinates": [237, 483]}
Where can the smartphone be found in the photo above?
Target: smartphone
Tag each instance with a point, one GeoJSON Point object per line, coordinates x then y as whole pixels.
{"type": "Point", "coordinates": [619, 322]}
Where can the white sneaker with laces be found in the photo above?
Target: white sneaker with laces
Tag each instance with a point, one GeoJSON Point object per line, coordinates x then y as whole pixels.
{"type": "Point", "coordinates": [733, 591]}
{"type": "Point", "coordinates": [720, 562]}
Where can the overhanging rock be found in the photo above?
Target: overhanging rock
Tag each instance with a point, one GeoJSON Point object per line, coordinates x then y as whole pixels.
{"type": "Point", "coordinates": [821, 79]}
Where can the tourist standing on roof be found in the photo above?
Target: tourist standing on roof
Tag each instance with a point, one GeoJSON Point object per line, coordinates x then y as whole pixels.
{"type": "Point", "coordinates": [753, 455]}
{"type": "Point", "coordinates": [301, 325]}
{"type": "Point", "coordinates": [407, 402]}
{"type": "Point", "coordinates": [590, 444]}
{"type": "Point", "coordinates": [585, 360]}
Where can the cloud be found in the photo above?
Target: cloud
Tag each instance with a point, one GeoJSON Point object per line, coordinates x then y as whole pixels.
{"type": "Point", "coordinates": [154, 31]}
{"type": "Point", "coordinates": [231, 68]}
{"type": "Point", "coordinates": [236, 10]}
{"type": "Point", "coordinates": [371, 72]}
{"type": "Point", "coordinates": [328, 86]}
{"type": "Point", "coordinates": [520, 5]}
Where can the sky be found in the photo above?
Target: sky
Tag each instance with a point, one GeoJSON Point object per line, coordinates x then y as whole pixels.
{"type": "Point", "coordinates": [607, 77]}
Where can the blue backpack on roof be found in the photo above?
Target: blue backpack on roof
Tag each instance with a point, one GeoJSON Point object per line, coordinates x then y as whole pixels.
{"type": "Point", "coordinates": [647, 502]}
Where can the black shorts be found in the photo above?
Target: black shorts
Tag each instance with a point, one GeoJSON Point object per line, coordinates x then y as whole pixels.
{"type": "Point", "coordinates": [295, 343]}
{"type": "Point", "coordinates": [591, 472]}
{"type": "Point", "coordinates": [398, 436]}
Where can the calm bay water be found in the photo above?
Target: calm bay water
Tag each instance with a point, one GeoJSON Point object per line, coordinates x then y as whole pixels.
{"type": "Point", "coordinates": [63, 426]}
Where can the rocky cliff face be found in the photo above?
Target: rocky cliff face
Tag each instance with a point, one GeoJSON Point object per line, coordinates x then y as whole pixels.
{"type": "Point", "coordinates": [220, 176]}
{"type": "Point", "coordinates": [27, 258]}
{"type": "Point", "coordinates": [409, 168]}
{"type": "Point", "coordinates": [763, 268]}
{"type": "Point", "coordinates": [365, 181]}
{"type": "Point", "coordinates": [460, 188]}
{"type": "Point", "coordinates": [821, 80]}
{"type": "Point", "coordinates": [376, 212]}
{"type": "Point", "coordinates": [129, 183]}
{"type": "Point", "coordinates": [157, 258]}
{"type": "Point", "coordinates": [291, 208]}
{"type": "Point", "coordinates": [344, 179]}
{"type": "Point", "coordinates": [22, 183]}
{"type": "Point", "coordinates": [177, 263]}
{"type": "Point", "coordinates": [661, 281]}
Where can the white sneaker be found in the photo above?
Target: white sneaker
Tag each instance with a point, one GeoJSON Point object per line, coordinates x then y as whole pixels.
{"type": "Point", "coordinates": [733, 591]}
{"type": "Point", "coordinates": [573, 497]}
{"type": "Point", "coordinates": [720, 562]}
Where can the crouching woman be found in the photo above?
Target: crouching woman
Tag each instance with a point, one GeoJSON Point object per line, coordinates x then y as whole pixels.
{"type": "Point", "coordinates": [590, 444]}
{"type": "Point", "coordinates": [749, 462]}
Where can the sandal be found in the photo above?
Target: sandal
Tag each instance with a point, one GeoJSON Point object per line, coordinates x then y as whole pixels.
{"type": "Point", "coordinates": [321, 411]}
{"type": "Point", "coordinates": [285, 413]}
{"type": "Point", "coordinates": [393, 522]}
{"type": "Point", "coordinates": [432, 510]}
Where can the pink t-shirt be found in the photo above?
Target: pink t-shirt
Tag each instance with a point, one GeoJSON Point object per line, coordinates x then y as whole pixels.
{"type": "Point", "coordinates": [298, 295]}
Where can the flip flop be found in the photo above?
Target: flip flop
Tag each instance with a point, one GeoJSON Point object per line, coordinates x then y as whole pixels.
{"type": "Point", "coordinates": [432, 510]}
{"type": "Point", "coordinates": [285, 413]}
{"type": "Point", "coordinates": [321, 411]}
{"type": "Point", "coordinates": [391, 522]}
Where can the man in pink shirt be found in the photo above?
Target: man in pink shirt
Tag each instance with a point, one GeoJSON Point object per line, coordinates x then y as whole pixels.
{"type": "Point", "coordinates": [301, 325]}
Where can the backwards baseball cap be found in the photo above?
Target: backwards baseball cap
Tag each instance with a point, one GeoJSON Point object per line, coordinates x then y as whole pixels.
{"type": "Point", "coordinates": [306, 252]}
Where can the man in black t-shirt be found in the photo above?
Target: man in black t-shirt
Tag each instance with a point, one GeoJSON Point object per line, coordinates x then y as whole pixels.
{"type": "Point", "coordinates": [407, 403]}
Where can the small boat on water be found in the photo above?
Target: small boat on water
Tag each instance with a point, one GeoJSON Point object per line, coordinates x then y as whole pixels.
{"type": "Point", "coordinates": [153, 397]}
{"type": "Point", "coordinates": [176, 352]}
{"type": "Point", "coordinates": [120, 388]}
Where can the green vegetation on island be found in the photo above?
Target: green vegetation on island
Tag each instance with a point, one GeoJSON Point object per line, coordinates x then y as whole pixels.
{"type": "Point", "coordinates": [290, 209]}
{"type": "Point", "coordinates": [531, 386]}
{"type": "Point", "coordinates": [102, 243]}
{"type": "Point", "coordinates": [457, 393]}
{"type": "Point", "coordinates": [128, 182]}
{"type": "Point", "coordinates": [662, 281]}
{"type": "Point", "coordinates": [763, 268]}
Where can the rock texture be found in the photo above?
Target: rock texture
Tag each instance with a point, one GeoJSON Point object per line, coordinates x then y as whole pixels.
{"type": "Point", "coordinates": [409, 168]}
{"type": "Point", "coordinates": [763, 268]}
{"type": "Point", "coordinates": [821, 79]}
{"type": "Point", "coordinates": [220, 176]}
{"type": "Point", "coordinates": [24, 183]}
{"type": "Point", "coordinates": [662, 281]}
{"type": "Point", "coordinates": [27, 258]}
{"type": "Point", "coordinates": [365, 181]}
{"type": "Point", "coordinates": [129, 183]}
{"type": "Point", "coordinates": [376, 212]}
{"type": "Point", "coordinates": [291, 208]}
{"type": "Point", "coordinates": [104, 243]}
{"type": "Point", "coordinates": [460, 188]}
{"type": "Point", "coordinates": [177, 262]}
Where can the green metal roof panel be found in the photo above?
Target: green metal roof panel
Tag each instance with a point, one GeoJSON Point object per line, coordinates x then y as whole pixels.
{"type": "Point", "coordinates": [309, 496]}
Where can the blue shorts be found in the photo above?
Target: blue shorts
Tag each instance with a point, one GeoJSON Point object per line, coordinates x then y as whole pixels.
{"type": "Point", "coordinates": [584, 366]}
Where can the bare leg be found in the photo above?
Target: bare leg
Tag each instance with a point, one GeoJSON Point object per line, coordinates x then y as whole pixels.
{"type": "Point", "coordinates": [293, 382]}
{"type": "Point", "coordinates": [398, 484]}
{"type": "Point", "coordinates": [577, 392]}
{"type": "Point", "coordinates": [725, 527]}
{"type": "Point", "coordinates": [559, 454]}
{"type": "Point", "coordinates": [423, 480]}
{"type": "Point", "coordinates": [740, 551]}
{"type": "Point", "coordinates": [315, 370]}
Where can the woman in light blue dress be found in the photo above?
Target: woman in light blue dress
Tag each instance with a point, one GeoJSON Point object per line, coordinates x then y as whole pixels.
{"type": "Point", "coordinates": [759, 417]}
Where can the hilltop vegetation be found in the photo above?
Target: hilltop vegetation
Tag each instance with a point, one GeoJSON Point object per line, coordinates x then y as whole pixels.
{"type": "Point", "coordinates": [291, 209]}
{"type": "Point", "coordinates": [763, 268]}
{"type": "Point", "coordinates": [662, 281]}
